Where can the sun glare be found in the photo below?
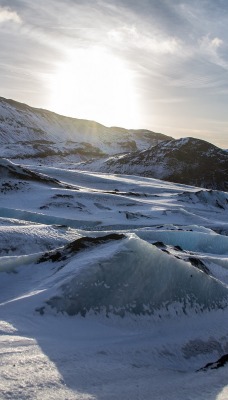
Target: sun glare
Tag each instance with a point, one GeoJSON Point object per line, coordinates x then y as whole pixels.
{"type": "Point", "coordinates": [93, 84]}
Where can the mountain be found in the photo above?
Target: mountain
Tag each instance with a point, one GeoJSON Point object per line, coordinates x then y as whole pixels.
{"type": "Point", "coordinates": [189, 161]}
{"type": "Point", "coordinates": [27, 132]}
{"type": "Point", "coordinates": [32, 132]}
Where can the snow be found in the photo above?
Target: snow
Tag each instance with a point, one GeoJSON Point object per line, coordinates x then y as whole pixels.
{"type": "Point", "coordinates": [126, 317]}
{"type": "Point", "coordinates": [36, 236]}
{"type": "Point", "coordinates": [39, 131]}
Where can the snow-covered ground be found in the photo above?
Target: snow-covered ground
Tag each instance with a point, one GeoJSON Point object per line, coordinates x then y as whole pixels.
{"type": "Point", "coordinates": [111, 286]}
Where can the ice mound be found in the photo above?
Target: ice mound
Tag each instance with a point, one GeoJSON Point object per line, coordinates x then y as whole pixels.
{"type": "Point", "coordinates": [133, 277]}
{"type": "Point", "coordinates": [206, 197]}
{"type": "Point", "coordinates": [212, 243]}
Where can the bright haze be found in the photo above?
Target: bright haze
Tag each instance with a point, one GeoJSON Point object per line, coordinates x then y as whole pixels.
{"type": "Point", "coordinates": [155, 64]}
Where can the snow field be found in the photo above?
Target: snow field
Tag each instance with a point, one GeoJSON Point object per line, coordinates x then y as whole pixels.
{"type": "Point", "coordinates": [124, 319]}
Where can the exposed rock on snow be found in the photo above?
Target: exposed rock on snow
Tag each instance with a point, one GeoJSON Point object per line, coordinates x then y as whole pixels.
{"type": "Point", "coordinates": [216, 364]}
{"type": "Point", "coordinates": [78, 245]}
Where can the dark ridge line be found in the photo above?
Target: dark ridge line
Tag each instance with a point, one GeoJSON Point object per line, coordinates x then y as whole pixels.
{"type": "Point", "coordinates": [78, 245]}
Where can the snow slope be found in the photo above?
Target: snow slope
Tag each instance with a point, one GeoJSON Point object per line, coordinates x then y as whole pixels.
{"type": "Point", "coordinates": [111, 286]}
{"type": "Point", "coordinates": [30, 132]}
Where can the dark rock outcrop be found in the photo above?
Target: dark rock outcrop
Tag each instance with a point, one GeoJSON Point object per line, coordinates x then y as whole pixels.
{"type": "Point", "coordinates": [216, 364]}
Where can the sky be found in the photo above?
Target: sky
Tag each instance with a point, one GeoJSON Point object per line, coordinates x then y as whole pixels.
{"type": "Point", "coordinates": [155, 64]}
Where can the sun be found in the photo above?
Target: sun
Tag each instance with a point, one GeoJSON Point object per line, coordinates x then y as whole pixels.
{"type": "Point", "coordinates": [94, 84]}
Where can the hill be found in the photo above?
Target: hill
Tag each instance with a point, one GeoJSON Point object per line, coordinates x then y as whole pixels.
{"type": "Point", "coordinates": [27, 132]}
{"type": "Point", "coordinates": [189, 161]}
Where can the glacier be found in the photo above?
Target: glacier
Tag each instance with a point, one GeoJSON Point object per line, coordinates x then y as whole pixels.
{"type": "Point", "coordinates": [111, 286]}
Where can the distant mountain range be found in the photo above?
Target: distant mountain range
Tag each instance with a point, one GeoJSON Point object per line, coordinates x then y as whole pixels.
{"type": "Point", "coordinates": [189, 161]}
{"type": "Point", "coordinates": [32, 133]}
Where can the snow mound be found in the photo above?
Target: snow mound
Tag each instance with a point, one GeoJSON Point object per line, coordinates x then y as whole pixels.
{"type": "Point", "coordinates": [133, 277]}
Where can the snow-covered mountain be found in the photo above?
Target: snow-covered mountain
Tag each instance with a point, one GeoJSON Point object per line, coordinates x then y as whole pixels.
{"type": "Point", "coordinates": [111, 286]}
{"type": "Point", "coordinates": [31, 132]}
{"type": "Point", "coordinates": [190, 161]}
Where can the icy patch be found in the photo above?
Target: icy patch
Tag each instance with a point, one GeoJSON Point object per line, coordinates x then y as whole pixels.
{"type": "Point", "coordinates": [188, 240]}
{"type": "Point", "coordinates": [9, 264]}
{"type": "Point", "coordinates": [45, 219]}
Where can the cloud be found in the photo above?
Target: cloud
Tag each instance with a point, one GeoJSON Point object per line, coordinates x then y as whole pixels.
{"type": "Point", "coordinates": [153, 42]}
{"type": "Point", "coordinates": [6, 14]}
{"type": "Point", "coordinates": [213, 50]}
{"type": "Point", "coordinates": [175, 49]}
{"type": "Point", "coordinates": [211, 45]}
{"type": "Point", "coordinates": [216, 42]}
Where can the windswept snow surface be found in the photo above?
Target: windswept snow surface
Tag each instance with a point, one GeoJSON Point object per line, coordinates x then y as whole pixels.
{"type": "Point", "coordinates": [111, 286]}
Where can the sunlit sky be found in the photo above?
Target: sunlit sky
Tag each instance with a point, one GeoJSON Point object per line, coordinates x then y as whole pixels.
{"type": "Point", "coordinates": [154, 64]}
